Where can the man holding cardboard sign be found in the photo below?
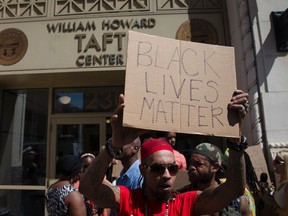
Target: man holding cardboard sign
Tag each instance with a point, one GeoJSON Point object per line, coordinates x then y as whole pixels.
{"type": "Point", "coordinates": [159, 170]}
{"type": "Point", "coordinates": [158, 166]}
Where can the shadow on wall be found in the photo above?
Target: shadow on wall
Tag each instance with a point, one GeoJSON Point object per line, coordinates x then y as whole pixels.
{"type": "Point", "coordinates": [266, 55]}
{"type": "Point", "coordinates": [266, 46]}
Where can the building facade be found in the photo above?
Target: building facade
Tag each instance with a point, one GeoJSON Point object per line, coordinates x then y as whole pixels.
{"type": "Point", "coordinates": [62, 67]}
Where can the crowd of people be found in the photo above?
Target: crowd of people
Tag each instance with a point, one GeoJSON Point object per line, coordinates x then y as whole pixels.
{"type": "Point", "coordinates": [219, 181]}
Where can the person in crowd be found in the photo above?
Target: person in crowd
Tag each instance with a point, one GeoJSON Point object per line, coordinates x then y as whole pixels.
{"type": "Point", "coordinates": [263, 182]}
{"type": "Point", "coordinates": [86, 158]}
{"type": "Point", "coordinates": [159, 169]}
{"type": "Point", "coordinates": [170, 137]}
{"type": "Point", "coordinates": [130, 175]}
{"type": "Point", "coordinates": [92, 210]}
{"type": "Point", "coordinates": [264, 188]}
{"type": "Point", "coordinates": [279, 198]}
{"type": "Point", "coordinates": [62, 198]}
{"type": "Point", "coordinates": [205, 161]}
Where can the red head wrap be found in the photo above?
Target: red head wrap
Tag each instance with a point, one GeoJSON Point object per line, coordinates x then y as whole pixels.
{"type": "Point", "coordinates": [154, 145]}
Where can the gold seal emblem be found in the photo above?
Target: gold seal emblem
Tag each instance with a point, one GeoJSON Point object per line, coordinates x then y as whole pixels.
{"type": "Point", "coordinates": [13, 46]}
{"type": "Point", "coordinates": [197, 30]}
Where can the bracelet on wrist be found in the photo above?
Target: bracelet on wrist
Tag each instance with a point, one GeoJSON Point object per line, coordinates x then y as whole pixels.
{"type": "Point", "coordinates": [238, 148]}
{"type": "Point", "coordinates": [109, 149]}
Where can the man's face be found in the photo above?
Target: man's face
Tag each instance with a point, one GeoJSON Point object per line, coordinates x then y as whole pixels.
{"type": "Point", "coordinates": [200, 169]}
{"type": "Point", "coordinates": [159, 181]}
{"type": "Point", "coordinates": [127, 152]}
{"type": "Point", "coordinates": [171, 138]}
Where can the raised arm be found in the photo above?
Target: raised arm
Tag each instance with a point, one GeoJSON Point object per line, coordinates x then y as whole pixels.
{"type": "Point", "coordinates": [122, 135]}
{"type": "Point", "coordinates": [239, 102]}
{"type": "Point", "coordinates": [220, 196]}
{"type": "Point", "coordinates": [92, 185]}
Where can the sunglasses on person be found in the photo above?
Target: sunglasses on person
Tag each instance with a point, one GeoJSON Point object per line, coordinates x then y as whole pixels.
{"type": "Point", "coordinates": [278, 162]}
{"type": "Point", "coordinates": [160, 168]}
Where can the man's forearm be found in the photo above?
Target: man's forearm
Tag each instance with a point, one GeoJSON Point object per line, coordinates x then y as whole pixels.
{"type": "Point", "coordinates": [91, 182]}
{"type": "Point", "coordinates": [236, 174]}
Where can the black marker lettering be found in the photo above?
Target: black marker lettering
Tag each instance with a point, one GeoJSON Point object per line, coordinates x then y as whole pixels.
{"type": "Point", "coordinates": [206, 64]}
{"type": "Point", "coordinates": [172, 109]}
{"type": "Point", "coordinates": [201, 110]}
{"type": "Point", "coordinates": [143, 49]}
{"type": "Point", "coordinates": [150, 106]}
{"type": "Point", "coordinates": [215, 112]}
{"type": "Point", "coordinates": [146, 84]}
{"type": "Point", "coordinates": [177, 59]}
{"type": "Point", "coordinates": [161, 110]}
{"type": "Point", "coordinates": [193, 89]}
{"type": "Point", "coordinates": [189, 60]}
{"type": "Point", "coordinates": [188, 112]}
{"type": "Point", "coordinates": [177, 92]}
{"type": "Point", "coordinates": [216, 95]}
{"type": "Point", "coordinates": [156, 58]}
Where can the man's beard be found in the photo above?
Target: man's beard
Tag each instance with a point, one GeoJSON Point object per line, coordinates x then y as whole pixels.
{"type": "Point", "coordinates": [205, 178]}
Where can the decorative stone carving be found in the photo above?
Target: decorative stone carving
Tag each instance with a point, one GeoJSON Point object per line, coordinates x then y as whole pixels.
{"type": "Point", "coordinates": [185, 4]}
{"type": "Point", "coordinates": [197, 30]}
{"type": "Point", "coordinates": [13, 46]}
{"type": "Point", "coordinates": [22, 8]}
{"type": "Point", "coordinates": [64, 7]}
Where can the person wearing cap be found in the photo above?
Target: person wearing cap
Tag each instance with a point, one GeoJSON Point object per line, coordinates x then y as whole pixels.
{"type": "Point", "coordinates": [205, 161]}
{"type": "Point", "coordinates": [62, 198]}
{"type": "Point", "coordinates": [159, 169]}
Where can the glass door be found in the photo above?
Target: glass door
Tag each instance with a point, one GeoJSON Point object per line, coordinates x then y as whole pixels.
{"type": "Point", "coordinates": [75, 136]}
{"type": "Point", "coordinates": [23, 151]}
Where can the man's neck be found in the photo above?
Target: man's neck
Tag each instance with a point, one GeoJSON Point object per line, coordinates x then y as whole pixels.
{"type": "Point", "coordinates": [156, 197]}
{"type": "Point", "coordinates": [128, 163]}
{"type": "Point", "coordinates": [203, 186]}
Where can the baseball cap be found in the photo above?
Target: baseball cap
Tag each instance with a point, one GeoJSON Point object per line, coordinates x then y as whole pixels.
{"type": "Point", "coordinates": [209, 151]}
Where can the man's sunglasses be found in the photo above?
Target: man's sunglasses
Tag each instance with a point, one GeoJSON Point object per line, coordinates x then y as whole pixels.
{"type": "Point", "coordinates": [160, 168]}
{"type": "Point", "coordinates": [278, 162]}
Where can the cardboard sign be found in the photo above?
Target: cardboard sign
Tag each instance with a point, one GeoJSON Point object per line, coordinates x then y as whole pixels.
{"type": "Point", "coordinates": [257, 159]}
{"type": "Point", "coordinates": [180, 86]}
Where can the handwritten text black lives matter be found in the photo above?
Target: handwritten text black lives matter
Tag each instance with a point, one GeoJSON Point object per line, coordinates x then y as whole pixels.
{"type": "Point", "coordinates": [192, 82]}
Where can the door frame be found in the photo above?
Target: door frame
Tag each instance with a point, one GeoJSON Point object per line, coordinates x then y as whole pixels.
{"type": "Point", "coordinates": [70, 119]}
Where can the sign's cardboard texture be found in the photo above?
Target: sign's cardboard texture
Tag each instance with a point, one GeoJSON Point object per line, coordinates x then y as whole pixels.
{"type": "Point", "coordinates": [180, 86]}
{"type": "Point", "coordinates": [258, 160]}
